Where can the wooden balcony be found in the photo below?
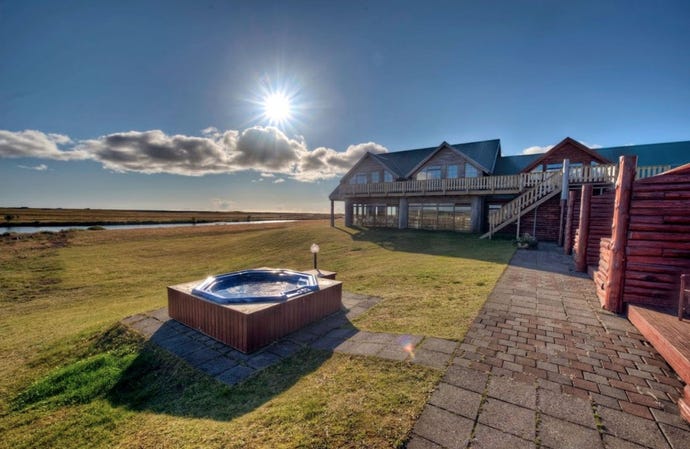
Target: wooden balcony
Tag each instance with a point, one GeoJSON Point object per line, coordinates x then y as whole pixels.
{"type": "Point", "coordinates": [484, 185]}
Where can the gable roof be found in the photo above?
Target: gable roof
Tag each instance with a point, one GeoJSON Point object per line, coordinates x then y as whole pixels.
{"type": "Point", "coordinates": [402, 162]}
{"type": "Point", "coordinates": [567, 141]}
{"type": "Point", "coordinates": [669, 153]}
{"type": "Point", "coordinates": [510, 165]}
{"type": "Point", "coordinates": [485, 152]}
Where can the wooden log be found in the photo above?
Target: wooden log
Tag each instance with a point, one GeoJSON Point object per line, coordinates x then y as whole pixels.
{"type": "Point", "coordinates": [568, 245]}
{"type": "Point", "coordinates": [619, 234]}
{"type": "Point", "coordinates": [665, 228]}
{"type": "Point", "coordinates": [583, 228]}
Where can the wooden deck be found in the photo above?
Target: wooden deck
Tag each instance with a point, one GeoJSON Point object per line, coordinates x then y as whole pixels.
{"type": "Point", "coordinates": [671, 337]}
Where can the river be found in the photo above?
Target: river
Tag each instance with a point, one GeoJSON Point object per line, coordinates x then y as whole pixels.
{"type": "Point", "coordinates": [31, 229]}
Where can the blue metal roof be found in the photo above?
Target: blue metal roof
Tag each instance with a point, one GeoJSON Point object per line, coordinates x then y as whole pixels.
{"type": "Point", "coordinates": [670, 153]}
{"type": "Point", "coordinates": [403, 162]}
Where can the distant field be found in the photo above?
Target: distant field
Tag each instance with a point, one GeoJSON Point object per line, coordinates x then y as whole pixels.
{"type": "Point", "coordinates": [20, 216]}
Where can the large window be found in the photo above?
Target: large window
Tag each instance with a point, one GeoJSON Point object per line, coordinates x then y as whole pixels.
{"type": "Point", "coordinates": [387, 176]}
{"type": "Point", "coordinates": [449, 217]}
{"type": "Point", "coordinates": [359, 178]}
{"type": "Point", "coordinates": [452, 171]}
{"type": "Point", "coordinates": [374, 177]}
{"type": "Point", "coordinates": [471, 171]}
{"type": "Point", "coordinates": [430, 172]}
{"type": "Point", "coordinates": [375, 215]}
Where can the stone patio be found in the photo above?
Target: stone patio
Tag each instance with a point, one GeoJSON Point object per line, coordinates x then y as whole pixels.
{"type": "Point", "coordinates": [543, 366]}
{"type": "Point", "coordinates": [334, 333]}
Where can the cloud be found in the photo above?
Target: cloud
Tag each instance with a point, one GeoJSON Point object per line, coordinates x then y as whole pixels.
{"type": "Point", "coordinates": [266, 150]}
{"type": "Point", "coordinates": [223, 204]}
{"type": "Point", "coordinates": [537, 149]}
{"type": "Point", "coordinates": [41, 167]}
{"type": "Point", "coordinates": [279, 181]}
{"type": "Point", "coordinates": [36, 144]}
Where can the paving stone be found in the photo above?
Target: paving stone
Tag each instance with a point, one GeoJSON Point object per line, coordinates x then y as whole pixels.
{"type": "Point", "coordinates": [432, 359]}
{"type": "Point", "coordinates": [443, 427]}
{"type": "Point", "coordinates": [561, 434]}
{"type": "Point", "coordinates": [439, 345]}
{"type": "Point", "coordinates": [160, 314]}
{"type": "Point", "coordinates": [263, 360]}
{"type": "Point", "coordinates": [235, 375]}
{"type": "Point", "coordinates": [612, 442]}
{"type": "Point", "coordinates": [417, 442]}
{"type": "Point", "coordinates": [517, 393]}
{"type": "Point", "coordinates": [632, 428]}
{"type": "Point", "coordinates": [131, 320]}
{"type": "Point", "coordinates": [466, 378]}
{"type": "Point", "coordinates": [365, 348]}
{"type": "Point", "coordinates": [566, 407]}
{"type": "Point", "coordinates": [670, 418]}
{"type": "Point", "coordinates": [284, 348]}
{"type": "Point", "coordinates": [203, 355]}
{"type": "Point", "coordinates": [488, 438]}
{"type": "Point", "coordinates": [217, 366]}
{"type": "Point", "coordinates": [510, 418]}
{"type": "Point", "coordinates": [457, 400]}
{"type": "Point", "coordinates": [679, 438]}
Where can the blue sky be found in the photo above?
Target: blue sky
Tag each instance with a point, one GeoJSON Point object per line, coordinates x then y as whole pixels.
{"type": "Point", "coordinates": [158, 104]}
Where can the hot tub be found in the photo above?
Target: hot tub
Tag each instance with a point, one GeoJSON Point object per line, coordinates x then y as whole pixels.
{"type": "Point", "coordinates": [275, 303]}
{"type": "Point", "coordinates": [250, 286]}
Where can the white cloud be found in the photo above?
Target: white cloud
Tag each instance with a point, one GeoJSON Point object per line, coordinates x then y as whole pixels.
{"type": "Point", "coordinates": [537, 149]}
{"type": "Point", "coordinates": [36, 144]}
{"type": "Point", "coordinates": [41, 167]}
{"type": "Point", "coordinates": [266, 150]}
{"type": "Point", "coordinates": [279, 181]}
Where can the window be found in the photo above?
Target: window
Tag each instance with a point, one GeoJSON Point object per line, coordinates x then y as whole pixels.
{"type": "Point", "coordinates": [387, 176]}
{"type": "Point", "coordinates": [430, 172]}
{"type": "Point", "coordinates": [375, 177]}
{"type": "Point", "coordinates": [471, 171]}
{"type": "Point", "coordinates": [554, 167]}
{"type": "Point", "coordinates": [452, 171]}
{"type": "Point", "coordinates": [361, 178]}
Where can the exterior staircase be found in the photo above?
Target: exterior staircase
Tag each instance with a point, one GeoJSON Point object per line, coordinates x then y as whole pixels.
{"type": "Point", "coordinates": [530, 199]}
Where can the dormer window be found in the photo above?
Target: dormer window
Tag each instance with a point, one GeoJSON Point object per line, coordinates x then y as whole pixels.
{"type": "Point", "coordinates": [452, 171]}
{"type": "Point", "coordinates": [375, 177]}
{"type": "Point", "coordinates": [430, 172]}
{"type": "Point", "coordinates": [387, 176]}
{"type": "Point", "coordinates": [471, 171]}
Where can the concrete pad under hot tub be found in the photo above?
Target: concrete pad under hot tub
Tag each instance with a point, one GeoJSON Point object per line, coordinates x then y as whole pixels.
{"type": "Point", "coordinates": [250, 326]}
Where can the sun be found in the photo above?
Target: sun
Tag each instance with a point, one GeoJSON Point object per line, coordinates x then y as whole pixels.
{"type": "Point", "coordinates": [277, 107]}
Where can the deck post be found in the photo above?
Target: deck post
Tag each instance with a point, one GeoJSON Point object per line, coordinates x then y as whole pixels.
{"type": "Point", "coordinates": [583, 228]}
{"type": "Point", "coordinates": [332, 214]}
{"type": "Point", "coordinates": [402, 213]}
{"type": "Point", "coordinates": [348, 212]}
{"type": "Point", "coordinates": [564, 197]}
{"type": "Point", "coordinates": [613, 297]}
{"type": "Point", "coordinates": [568, 244]}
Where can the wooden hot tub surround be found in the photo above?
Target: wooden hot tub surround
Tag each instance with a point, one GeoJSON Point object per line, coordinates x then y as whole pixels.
{"type": "Point", "coordinates": [250, 326]}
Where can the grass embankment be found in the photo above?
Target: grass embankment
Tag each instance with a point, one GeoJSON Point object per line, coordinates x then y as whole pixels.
{"type": "Point", "coordinates": [70, 377]}
{"type": "Point", "coordinates": [25, 216]}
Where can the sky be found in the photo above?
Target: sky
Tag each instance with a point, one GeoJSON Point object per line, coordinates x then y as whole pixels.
{"type": "Point", "coordinates": [163, 104]}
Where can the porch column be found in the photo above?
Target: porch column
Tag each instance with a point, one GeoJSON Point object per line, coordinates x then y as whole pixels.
{"type": "Point", "coordinates": [402, 214]}
{"type": "Point", "coordinates": [332, 214]}
{"type": "Point", "coordinates": [477, 214]}
{"type": "Point", "coordinates": [348, 212]}
{"type": "Point", "coordinates": [613, 300]}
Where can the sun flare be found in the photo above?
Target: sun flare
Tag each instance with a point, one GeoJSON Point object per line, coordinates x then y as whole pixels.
{"type": "Point", "coordinates": [277, 107]}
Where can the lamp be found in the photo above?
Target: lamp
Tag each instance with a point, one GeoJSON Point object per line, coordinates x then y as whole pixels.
{"type": "Point", "coordinates": [315, 250]}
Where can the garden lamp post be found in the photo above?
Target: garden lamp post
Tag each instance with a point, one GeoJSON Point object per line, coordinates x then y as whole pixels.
{"type": "Point", "coordinates": [315, 250]}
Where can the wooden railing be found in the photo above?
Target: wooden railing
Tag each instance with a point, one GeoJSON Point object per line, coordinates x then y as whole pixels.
{"type": "Point", "coordinates": [602, 174]}
{"type": "Point", "coordinates": [513, 210]}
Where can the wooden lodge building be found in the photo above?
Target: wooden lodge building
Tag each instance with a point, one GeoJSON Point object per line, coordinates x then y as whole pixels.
{"type": "Point", "coordinates": [472, 187]}
{"type": "Point", "coordinates": [624, 213]}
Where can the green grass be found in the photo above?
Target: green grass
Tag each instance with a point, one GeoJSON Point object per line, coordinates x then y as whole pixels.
{"type": "Point", "coordinates": [70, 377]}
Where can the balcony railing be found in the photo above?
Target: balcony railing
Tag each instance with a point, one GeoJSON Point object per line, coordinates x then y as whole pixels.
{"type": "Point", "coordinates": [602, 174]}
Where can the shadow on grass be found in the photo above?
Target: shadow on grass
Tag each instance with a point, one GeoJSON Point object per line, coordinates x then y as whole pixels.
{"type": "Point", "coordinates": [160, 382]}
{"type": "Point", "coordinates": [437, 243]}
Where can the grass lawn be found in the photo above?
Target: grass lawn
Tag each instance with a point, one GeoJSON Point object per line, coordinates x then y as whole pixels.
{"type": "Point", "coordinates": [71, 377]}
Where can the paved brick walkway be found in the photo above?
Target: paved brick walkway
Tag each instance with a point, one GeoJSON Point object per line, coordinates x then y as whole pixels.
{"type": "Point", "coordinates": [542, 366]}
{"type": "Point", "coordinates": [334, 333]}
